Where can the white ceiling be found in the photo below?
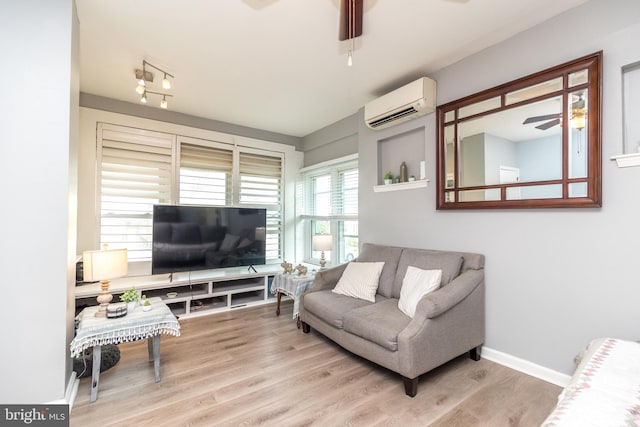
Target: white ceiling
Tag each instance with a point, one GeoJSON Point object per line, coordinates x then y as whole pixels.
{"type": "Point", "coordinates": [277, 65]}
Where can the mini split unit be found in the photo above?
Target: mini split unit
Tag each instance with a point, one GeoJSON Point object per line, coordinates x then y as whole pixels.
{"type": "Point", "coordinates": [412, 100]}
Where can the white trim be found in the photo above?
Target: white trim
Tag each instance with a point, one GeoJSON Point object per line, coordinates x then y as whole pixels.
{"type": "Point", "coordinates": [71, 392]}
{"type": "Point", "coordinates": [331, 162]}
{"type": "Point", "coordinates": [526, 367]}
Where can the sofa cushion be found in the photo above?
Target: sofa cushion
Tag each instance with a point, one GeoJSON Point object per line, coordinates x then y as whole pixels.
{"type": "Point", "coordinates": [360, 280]}
{"type": "Point", "coordinates": [379, 323]}
{"type": "Point", "coordinates": [449, 262]}
{"type": "Point", "coordinates": [390, 255]}
{"type": "Point", "coordinates": [331, 307]}
{"type": "Point", "coordinates": [416, 284]}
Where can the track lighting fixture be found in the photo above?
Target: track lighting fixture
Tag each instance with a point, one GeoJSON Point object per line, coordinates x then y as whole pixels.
{"type": "Point", "coordinates": [143, 77]}
{"type": "Point", "coordinates": [163, 102]}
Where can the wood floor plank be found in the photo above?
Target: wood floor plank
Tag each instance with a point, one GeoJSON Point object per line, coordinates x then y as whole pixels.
{"type": "Point", "coordinates": [248, 367]}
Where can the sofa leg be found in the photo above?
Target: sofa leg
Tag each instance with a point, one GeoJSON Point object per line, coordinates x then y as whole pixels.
{"type": "Point", "coordinates": [474, 353]}
{"type": "Point", "coordinates": [305, 328]}
{"type": "Point", "coordinates": [410, 386]}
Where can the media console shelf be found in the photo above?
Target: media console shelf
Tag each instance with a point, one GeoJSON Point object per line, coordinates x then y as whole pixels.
{"type": "Point", "coordinates": [197, 293]}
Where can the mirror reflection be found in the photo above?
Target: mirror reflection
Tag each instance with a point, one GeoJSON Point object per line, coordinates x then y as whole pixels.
{"type": "Point", "coordinates": [526, 143]}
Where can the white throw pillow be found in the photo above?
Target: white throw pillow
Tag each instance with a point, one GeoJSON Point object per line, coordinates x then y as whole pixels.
{"type": "Point", "coordinates": [360, 280]}
{"type": "Point", "coordinates": [416, 284]}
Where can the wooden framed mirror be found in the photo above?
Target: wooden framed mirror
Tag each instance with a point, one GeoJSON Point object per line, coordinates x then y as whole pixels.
{"type": "Point", "coordinates": [511, 146]}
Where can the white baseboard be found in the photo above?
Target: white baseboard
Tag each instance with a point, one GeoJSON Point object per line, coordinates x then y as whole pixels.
{"type": "Point", "coordinates": [526, 367]}
{"type": "Point", "coordinates": [70, 392]}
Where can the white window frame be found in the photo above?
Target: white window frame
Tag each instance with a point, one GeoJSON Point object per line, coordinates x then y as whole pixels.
{"type": "Point", "coordinates": [333, 168]}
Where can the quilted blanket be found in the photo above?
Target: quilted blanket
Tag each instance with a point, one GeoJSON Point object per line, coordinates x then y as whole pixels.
{"type": "Point", "coordinates": [605, 389]}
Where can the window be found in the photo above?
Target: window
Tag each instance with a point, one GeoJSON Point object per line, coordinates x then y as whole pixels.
{"type": "Point", "coordinates": [205, 175]}
{"type": "Point", "coordinates": [330, 206]}
{"type": "Point", "coordinates": [140, 168]}
{"type": "Point", "coordinates": [135, 173]}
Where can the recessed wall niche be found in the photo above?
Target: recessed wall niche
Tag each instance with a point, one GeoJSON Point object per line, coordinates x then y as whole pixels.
{"type": "Point", "coordinates": [408, 147]}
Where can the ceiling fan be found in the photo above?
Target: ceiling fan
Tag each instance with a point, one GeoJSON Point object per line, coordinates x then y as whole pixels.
{"type": "Point", "coordinates": [578, 111]}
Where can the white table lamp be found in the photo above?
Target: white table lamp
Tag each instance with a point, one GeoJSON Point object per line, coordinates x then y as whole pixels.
{"type": "Point", "coordinates": [322, 242]}
{"type": "Point", "coordinates": [104, 265]}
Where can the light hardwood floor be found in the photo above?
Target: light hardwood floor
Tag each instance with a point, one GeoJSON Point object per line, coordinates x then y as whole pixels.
{"type": "Point", "coordinates": [248, 367]}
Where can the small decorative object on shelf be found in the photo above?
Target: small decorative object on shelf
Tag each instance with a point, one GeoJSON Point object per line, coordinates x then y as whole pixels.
{"type": "Point", "coordinates": [287, 267]}
{"type": "Point", "coordinates": [412, 178]}
{"type": "Point", "coordinates": [388, 178]}
{"type": "Point", "coordinates": [130, 296]}
{"type": "Point", "coordinates": [116, 309]}
{"type": "Point", "coordinates": [302, 270]}
{"type": "Point", "coordinates": [403, 172]}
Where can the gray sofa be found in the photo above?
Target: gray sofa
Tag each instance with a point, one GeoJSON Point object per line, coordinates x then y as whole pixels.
{"type": "Point", "coordinates": [448, 322]}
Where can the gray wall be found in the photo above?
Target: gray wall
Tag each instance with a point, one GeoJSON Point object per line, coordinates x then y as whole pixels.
{"type": "Point", "coordinates": [556, 278]}
{"type": "Point", "coordinates": [38, 170]}
{"type": "Point", "coordinates": [337, 140]}
{"type": "Point", "coordinates": [144, 111]}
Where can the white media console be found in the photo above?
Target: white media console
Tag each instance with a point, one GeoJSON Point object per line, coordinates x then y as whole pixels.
{"type": "Point", "coordinates": [198, 292]}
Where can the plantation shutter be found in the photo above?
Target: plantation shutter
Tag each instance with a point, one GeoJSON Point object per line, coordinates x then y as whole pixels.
{"type": "Point", "coordinates": [205, 175]}
{"type": "Point", "coordinates": [135, 173]}
{"type": "Point", "coordinates": [260, 185]}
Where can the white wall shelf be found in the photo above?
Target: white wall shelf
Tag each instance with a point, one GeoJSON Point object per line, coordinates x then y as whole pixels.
{"type": "Point", "coordinates": [422, 183]}
{"type": "Point", "coordinates": [627, 160]}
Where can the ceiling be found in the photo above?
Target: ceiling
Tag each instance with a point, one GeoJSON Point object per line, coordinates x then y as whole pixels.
{"type": "Point", "coordinates": [277, 65]}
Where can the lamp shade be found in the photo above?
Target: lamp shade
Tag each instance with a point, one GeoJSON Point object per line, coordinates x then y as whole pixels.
{"type": "Point", "coordinates": [322, 242]}
{"type": "Point", "coordinates": [104, 264]}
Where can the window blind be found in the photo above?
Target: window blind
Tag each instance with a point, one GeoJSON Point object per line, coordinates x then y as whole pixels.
{"type": "Point", "coordinates": [135, 173]}
{"type": "Point", "coordinates": [205, 175]}
{"type": "Point", "coordinates": [331, 193]}
{"type": "Point", "coordinates": [260, 185]}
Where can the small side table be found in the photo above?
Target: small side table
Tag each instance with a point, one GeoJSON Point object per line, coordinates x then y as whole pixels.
{"type": "Point", "coordinates": [137, 325]}
{"type": "Point", "coordinates": [292, 286]}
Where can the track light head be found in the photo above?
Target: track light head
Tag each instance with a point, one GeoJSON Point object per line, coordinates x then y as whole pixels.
{"type": "Point", "coordinates": [166, 84]}
{"type": "Point", "coordinates": [144, 97]}
{"type": "Point", "coordinates": [163, 103]}
{"type": "Point", "coordinates": [140, 89]}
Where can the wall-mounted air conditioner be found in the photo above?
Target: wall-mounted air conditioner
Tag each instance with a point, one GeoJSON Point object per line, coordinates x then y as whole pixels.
{"type": "Point", "coordinates": [411, 100]}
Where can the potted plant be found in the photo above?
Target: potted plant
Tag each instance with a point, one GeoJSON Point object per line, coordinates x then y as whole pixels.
{"type": "Point", "coordinates": [388, 178]}
{"type": "Point", "coordinates": [146, 304]}
{"type": "Point", "coordinates": [130, 296]}
{"type": "Point", "coordinates": [412, 178]}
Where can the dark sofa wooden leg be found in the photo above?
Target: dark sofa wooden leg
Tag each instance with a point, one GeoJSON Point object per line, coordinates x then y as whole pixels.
{"type": "Point", "coordinates": [410, 386]}
{"type": "Point", "coordinates": [474, 353]}
{"type": "Point", "coordinates": [305, 328]}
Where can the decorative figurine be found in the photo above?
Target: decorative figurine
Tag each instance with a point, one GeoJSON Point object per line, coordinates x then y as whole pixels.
{"type": "Point", "coordinates": [302, 270]}
{"type": "Point", "coordinates": [287, 267]}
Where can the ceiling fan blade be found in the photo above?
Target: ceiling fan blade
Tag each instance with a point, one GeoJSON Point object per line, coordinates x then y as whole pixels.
{"type": "Point", "coordinates": [547, 125]}
{"type": "Point", "coordinates": [350, 19]}
{"type": "Point", "coordinates": [541, 118]}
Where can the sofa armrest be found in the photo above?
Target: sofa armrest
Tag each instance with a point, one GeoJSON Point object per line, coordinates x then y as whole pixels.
{"type": "Point", "coordinates": [327, 279]}
{"type": "Point", "coordinates": [442, 300]}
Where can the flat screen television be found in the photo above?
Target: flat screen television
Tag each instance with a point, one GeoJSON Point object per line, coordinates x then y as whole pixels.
{"type": "Point", "coordinates": [188, 238]}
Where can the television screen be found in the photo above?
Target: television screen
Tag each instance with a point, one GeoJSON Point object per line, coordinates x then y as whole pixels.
{"type": "Point", "coordinates": [187, 238]}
